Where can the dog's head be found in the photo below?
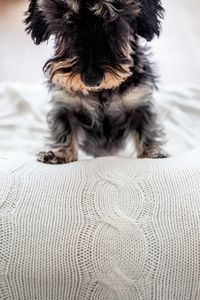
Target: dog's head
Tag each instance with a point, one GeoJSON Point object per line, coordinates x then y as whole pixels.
{"type": "Point", "coordinates": [94, 39]}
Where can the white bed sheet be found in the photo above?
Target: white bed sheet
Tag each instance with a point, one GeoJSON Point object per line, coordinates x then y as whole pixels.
{"type": "Point", "coordinates": [23, 126]}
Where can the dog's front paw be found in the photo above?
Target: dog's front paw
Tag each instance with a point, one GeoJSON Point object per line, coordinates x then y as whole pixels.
{"type": "Point", "coordinates": [155, 153]}
{"type": "Point", "coordinates": [57, 156]}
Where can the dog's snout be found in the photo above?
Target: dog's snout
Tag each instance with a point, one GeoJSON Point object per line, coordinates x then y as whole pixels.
{"type": "Point", "coordinates": [92, 78]}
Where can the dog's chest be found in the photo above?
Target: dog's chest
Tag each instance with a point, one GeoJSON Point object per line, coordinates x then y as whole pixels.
{"type": "Point", "coordinates": [102, 126]}
{"type": "Point", "coordinates": [102, 114]}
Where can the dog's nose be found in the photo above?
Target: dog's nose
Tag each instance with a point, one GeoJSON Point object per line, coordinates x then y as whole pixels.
{"type": "Point", "coordinates": [92, 78]}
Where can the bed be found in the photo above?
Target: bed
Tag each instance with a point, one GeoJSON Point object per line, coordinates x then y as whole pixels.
{"type": "Point", "coordinates": [107, 228]}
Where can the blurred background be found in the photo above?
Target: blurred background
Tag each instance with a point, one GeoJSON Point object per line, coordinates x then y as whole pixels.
{"type": "Point", "coordinates": [177, 51]}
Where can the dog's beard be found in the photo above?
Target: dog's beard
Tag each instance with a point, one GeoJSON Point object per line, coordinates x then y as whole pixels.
{"type": "Point", "coordinates": [72, 82]}
{"type": "Point", "coordinates": [61, 74]}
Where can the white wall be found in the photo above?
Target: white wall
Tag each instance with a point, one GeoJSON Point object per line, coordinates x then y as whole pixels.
{"type": "Point", "coordinates": [178, 49]}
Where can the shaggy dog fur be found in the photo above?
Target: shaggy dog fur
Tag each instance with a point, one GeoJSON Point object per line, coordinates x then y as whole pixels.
{"type": "Point", "coordinates": [101, 80]}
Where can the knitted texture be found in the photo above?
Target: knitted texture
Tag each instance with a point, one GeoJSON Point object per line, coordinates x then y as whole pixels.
{"type": "Point", "coordinates": [109, 228]}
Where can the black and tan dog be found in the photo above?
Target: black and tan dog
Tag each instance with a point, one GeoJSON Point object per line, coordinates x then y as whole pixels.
{"type": "Point", "coordinates": [101, 79]}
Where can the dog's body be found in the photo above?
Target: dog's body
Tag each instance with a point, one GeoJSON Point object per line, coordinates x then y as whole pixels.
{"type": "Point", "coordinates": [100, 76]}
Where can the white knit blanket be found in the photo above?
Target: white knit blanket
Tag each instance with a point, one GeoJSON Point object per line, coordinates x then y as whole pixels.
{"type": "Point", "coordinates": [103, 229]}
{"type": "Point", "coordinates": [109, 228]}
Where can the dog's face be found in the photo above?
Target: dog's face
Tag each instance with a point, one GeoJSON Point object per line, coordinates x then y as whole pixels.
{"type": "Point", "coordinates": [94, 39]}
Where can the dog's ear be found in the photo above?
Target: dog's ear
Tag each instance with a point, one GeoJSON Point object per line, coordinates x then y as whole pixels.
{"type": "Point", "coordinates": [148, 23]}
{"type": "Point", "coordinates": [35, 23]}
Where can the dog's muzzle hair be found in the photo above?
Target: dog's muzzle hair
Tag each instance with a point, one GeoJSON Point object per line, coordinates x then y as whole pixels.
{"type": "Point", "coordinates": [61, 73]}
{"type": "Point", "coordinates": [100, 75]}
{"type": "Point", "coordinates": [74, 82]}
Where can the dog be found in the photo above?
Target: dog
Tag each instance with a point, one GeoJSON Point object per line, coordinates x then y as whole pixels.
{"type": "Point", "coordinates": [101, 79]}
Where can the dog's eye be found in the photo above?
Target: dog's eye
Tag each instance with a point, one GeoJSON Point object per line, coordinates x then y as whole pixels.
{"type": "Point", "coordinates": [68, 17]}
{"type": "Point", "coordinates": [113, 15]}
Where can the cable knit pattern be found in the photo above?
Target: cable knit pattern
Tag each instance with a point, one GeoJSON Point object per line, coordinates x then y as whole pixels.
{"type": "Point", "coordinates": [103, 229]}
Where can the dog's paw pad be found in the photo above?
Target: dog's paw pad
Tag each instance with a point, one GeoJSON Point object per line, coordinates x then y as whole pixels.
{"type": "Point", "coordinates": [45, 157]}
{"type": "Point", "coordinates": [154, 154]}
{"type": "Point", "coordinates": [157, 154]}
{"type": "Point", "coordinates": [59, 156]}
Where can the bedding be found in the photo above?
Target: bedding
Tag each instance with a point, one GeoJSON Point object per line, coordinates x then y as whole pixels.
{"type": "Point", "coordinates": [103, 229]}
{"type": "Point", "coordinates": [110, 228]}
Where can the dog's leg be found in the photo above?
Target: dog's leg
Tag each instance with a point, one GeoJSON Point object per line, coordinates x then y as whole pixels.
{"type": "Point", "coordinates": [64, 148]}
{"type": "Point", "coordinates": [150, 135]}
